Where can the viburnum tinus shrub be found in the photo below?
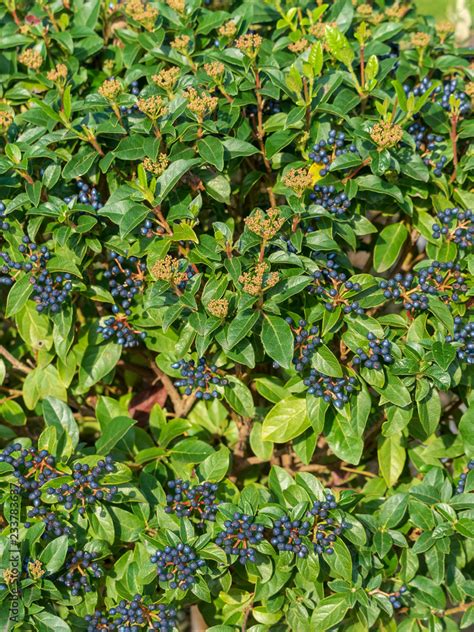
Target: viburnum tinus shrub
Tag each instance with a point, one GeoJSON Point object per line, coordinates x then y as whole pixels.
{"type": "Point", "coordinates": [236, 256]}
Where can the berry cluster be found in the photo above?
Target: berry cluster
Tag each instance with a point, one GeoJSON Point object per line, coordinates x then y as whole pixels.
{"type": "Point", "coordinates": [378, 354]}
{"type": "Point", "coordinates": [306, 341]}
{"type": "Point", "coordinates": [325, 151]}
{"type": "Point", "coordinates": [85, 489]}
{"type": "Point", "coordinates": [200, 379]}
{"type": "Point", "coordinates": [134, 615]}
{"type": "Point", "coordinates": [149, 229]}
{"type": "Point", "coordinates": [81, 567]}
{"type": "Point", "coordinates": [177, 566]}
{"type": "Point", "coordinates": [428, 144]}
{"type": "Point", "coordinates": [464, 335]}
{"type": "Point", "coordinates": [287, 535]}
{"type": "Point", "coordinates": [119, 328]}
{"type": "Point", "coordinates": [395, 597]}
{"type": "Point", "coordinates": [455, 225]}
{"type": "Point", "coordinates": [53, 526]}
{"type": "Point", "coordinates": [332, 287]}
{"type": "Point", "coordinates": [414, 288]}
{"type": "Point", "coordinates": [4, 225]}
{"type": "Point", "coordinates": [86, 194]}
{"type": "Point", "coordinates": [49, 291]}
{"type": "Point", "coordinates": [335, 390]}
{"type": "Point", "coordinates": [31, 468]}
{"type": "Point", "coordinates": [451, 88]}
{"type": "Point", "coordinates": [326, 196]}
{"type": "Point", "coordinates": [125, 280]}
{"type": "Point", "coordinates": [240, 536]}
{"type": "Point", "coordinates": [128, 111]}
{"type": "Point", "coordinates": [327, 529]}
{"type": "Point", "coordinates": [462, 479]}
{"type": "Point", "coordinates": [198, 501]}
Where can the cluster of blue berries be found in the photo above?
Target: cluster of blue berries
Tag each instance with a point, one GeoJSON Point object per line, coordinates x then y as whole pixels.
{"type": "Point", "coordinates": [456, 225]}
{"type": "Point", "coordinates": [118, 328]}
{"type": "Point", "coordinates": [150, 229]}
{"type": "Point", "coordinates": [332, 286]}
{"type": "Point", "coordinates": [333, 201]}
{"type": "Point", "coordinates": [132, 616]}
{"type": "Point", "coordinates": [197, 501]}
{"type": "Point", "coordinates": [86, 194]}
{"type": "Point", "coordinates": [462, 479]}
{"type": "Point", "coordinates": [49, 291]}
{"type": "Point", "coordinates": [327, 529]}
{"type": "Point", "coordinates": [4, 225]}
{"type": "Point", "coordinates": [325, 151]}
{"type": "Point", "coordinates": [86, 489]}
{"type": "Point", "coordinates": [177, 566]}
{"type": "Point", "coordinates": [199, 379]}
{"type": "Point", "coordinates": [81, 567]}
{"type": "Point", "coordinates": [125, 277]}
{"type": "Point", "coordinates": [378, 354]}
{"type": "Point", "coordinates": [128, 111]}
{"type": "Point", "coordinates": [53, 527]}
{"type": "Point", "coordinates": [395, 598]}
{"type": "Point", "coordinates": [450, 87]}
{"type": "Point", "coordinates": [428, 144]}
{"type": "Point", "coordinates": [464, 336]}
{"type": "Point", "coordinates": [240, 536]}
{"type": "Point", "coordinates": [287, 535]}
{"type": "Point", "coordinates": [334, 390]}
{"type": "Point", "coordinates": [414, 288]}
{"type": "Point", "coordinates": [307, 339]}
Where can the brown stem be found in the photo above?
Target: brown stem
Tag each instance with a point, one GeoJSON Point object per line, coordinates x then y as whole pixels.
{"type": "Point", "coordinates": [26, 176]}
{"type": "Point", "coordinates": [356, 171]}
{"type": "Point", "coordinates": [16, 364]}
{"type": "Point", "coordinates": [260, 130]}
{"type": "Point", "coordinates": [158, 212]}
{"type": "Point", "coordinates": [96, 146]}
{"type": "Point", "coordinates": [461, 608]}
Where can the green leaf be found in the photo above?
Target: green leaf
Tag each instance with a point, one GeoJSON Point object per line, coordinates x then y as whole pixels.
{"type": "Point", "coordinates": [286, 420]}
{"type": "Point", "coordinates": [168, 180]}
{"type": "Point", "coordinates": [54, 554]}
{"type": "Point", "coordinates": [57, 413]}
{"type": "Point", "coordinates": [391, 455]}
{"type": "Point", "coordinates": [277, 340]}
{"type": "Point", "coordinates": [115, 430]}
{"type": "Point", "coordinates": [18, 296]}
{"type": "Point", "coordinates": [389, 245]}
{"type": "Point", "coordinates": [211, 150]}
{"type": "Point", "coordinates": [330, 611]}
{"type": "Point", "coordinates": [79, 164]}
{"type": "Point", "coordinates": [96, 363]}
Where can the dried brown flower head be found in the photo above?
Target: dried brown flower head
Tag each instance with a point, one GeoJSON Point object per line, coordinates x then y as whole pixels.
{"type": "Point", "coordinates": [385, 134]}
{"type": "Point", "coordinates": [444, 28]}
{"type": "Point", "coordinates": [153, 107]}
{"type": "Point", "coordinates": [156, 167]}
{"type": "Point", "coordinates": [396, 11]}
{"type": "Point", "coordinates": [299, 180]}
{"type": "Point", "coordinates": [177, 5]}
{"type": "Point", "coordinates": [166, 78]}
{"type": "Point", "coordinates": [201, 103]}
{"type": "Point", "coordinates": [214, 69]}
{"type": "Point", "coordinates": [218, 307]}
{"type": "Point", "coordinates": [259, 279]}
{"type": "Point", "coordinates": [6, 119]}
{"type": "Point", "coordinates": [10, 576]}
{"type": "Point", "coordinates": [299, 46]}
{"type": "Point", "coordinates": [35, 569]}
{"type": "Point", "coordinates": [110, 89]}
{"type": "Point", "coordinates": [249, 44]}
{"type": "Point", "coordinates": [168, 269]}
{"type": "Point", "coordinates": [58, 74]}
{"type": "Point", "coordinates": [229, 29]}
{"type": "Point", "coordinates": [265, 225]}
{"type": "Point", "coordinates": [364, 10]}
{"type": "Point", "coordinates": [181, 43]}
{"type": "Point", "coordinates": [31, 59]}
{"type": "Point", "coordinates": [420, 39]}
{"type": "Point", "coordinates": [142, 13]}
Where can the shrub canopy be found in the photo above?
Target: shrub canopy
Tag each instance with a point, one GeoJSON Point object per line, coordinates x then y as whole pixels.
{"type": "Point", "coordinates": [237, 339]}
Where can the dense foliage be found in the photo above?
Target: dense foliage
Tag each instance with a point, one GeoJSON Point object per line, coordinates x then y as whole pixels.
{"type": "Point", "coordinates": [236, 255]}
